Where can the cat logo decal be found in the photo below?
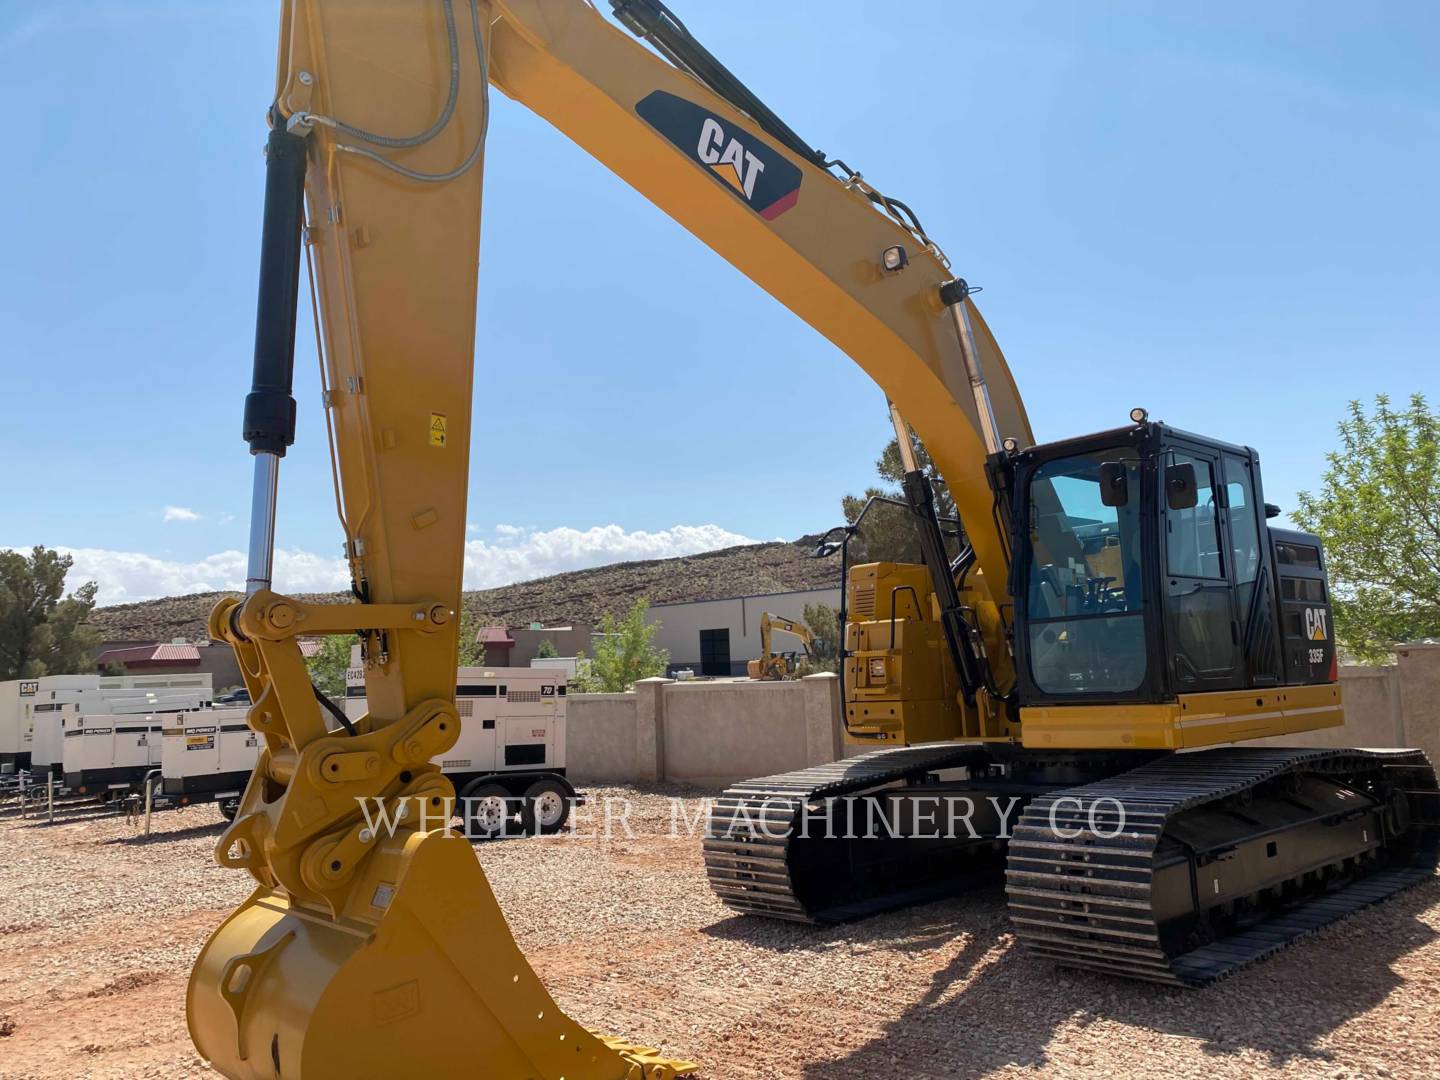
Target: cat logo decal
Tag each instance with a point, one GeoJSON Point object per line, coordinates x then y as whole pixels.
{"type": "Point", "coordinates": [754, 171]}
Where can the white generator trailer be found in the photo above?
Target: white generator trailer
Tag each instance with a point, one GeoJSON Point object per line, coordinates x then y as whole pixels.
{"type": "Point", "coordinates": [113, 751]}
{"type": "Point", "coordinates": [48, 756]}
{"type": "Point", "coordinates": [510, 758]}
{"type": "Point", "coordinates": [208, 756]}
{"type": "Point", "coordinates": [26, 704]}
{"type": "Point", "coordinates": [20, 700]}
{"type": "Point", "coordinates": [58, 714]}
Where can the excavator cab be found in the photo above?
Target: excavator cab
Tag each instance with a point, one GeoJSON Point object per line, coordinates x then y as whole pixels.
{"type": "Point", "coordinates": [1145, 570]}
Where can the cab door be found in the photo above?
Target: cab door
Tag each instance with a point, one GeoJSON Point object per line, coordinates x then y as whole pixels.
{"type": "Point", "coordinates": [1201, 628]}
{"type": "Point", "coordinates": [1255, 609]}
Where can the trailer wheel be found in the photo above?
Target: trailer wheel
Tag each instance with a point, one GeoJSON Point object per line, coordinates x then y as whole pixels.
{"type": "Point", "coordinates": [229, 808]}
{"type": "Point", "coordinates": [546, 807]}
{"type": "Point", "coordinates": [486, 810]}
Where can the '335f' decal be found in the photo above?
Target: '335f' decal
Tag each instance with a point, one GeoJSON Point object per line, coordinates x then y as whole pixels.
{"type": "Point", "coordinates": [755, 172]}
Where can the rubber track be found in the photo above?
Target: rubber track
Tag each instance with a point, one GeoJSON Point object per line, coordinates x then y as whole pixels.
{"type": "Point", "coordinates": [1085, 902]}
{"type": "Point", "coordinates": [751, 827]}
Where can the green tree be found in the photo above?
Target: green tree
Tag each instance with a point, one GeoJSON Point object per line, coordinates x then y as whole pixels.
{"type": "Point", "coordinates": [624, 652]}
{"type": "Point", "coordinates": [42, 630]}
{"type": "Point", "coordinates": [1378, 515]}
{"type": "Point", "coordinates": [889, 533]}
{"type": "Point", "coordinates": [891, 471]}
{"type": "Point", "coordinates": [546, 649]}
{"type": "Point", "coordinates": [824, 623]}
{"type": "Point", "coordinates": [327, 667]}
{"type": "Point", "coordinates": [472, 650]}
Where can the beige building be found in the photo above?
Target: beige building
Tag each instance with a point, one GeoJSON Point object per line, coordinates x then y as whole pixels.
{"type": "Point", "coordinates": [567, 640]}
{"type": "Point", "coordinates": [717, 637]}
{"type": "Point", "coordinates": [518, 646]}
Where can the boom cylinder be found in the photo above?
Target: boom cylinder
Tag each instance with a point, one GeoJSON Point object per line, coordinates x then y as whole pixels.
{"type": "Point", "coordinates": [269, 425]}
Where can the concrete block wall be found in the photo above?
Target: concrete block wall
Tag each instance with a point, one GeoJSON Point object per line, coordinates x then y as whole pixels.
{"type": "Point", "coordinates": [600, 741]}
{"type": "Point", "coordinates": [714, 733]}
{"type": "Point", "coordinates": [1371, 696]}
{"type": "Point", "coordinates": [705, 733]}
{"type": "Point", "coordinates": [1393, 705]}
{"type": "Point", "coordinates": [1418, 668]}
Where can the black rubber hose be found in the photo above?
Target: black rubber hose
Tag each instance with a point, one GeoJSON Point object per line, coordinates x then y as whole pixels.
{"type": "Point", "coordinates": [334, 710]}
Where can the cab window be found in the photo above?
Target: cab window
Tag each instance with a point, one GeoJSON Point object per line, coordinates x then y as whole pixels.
{"type": "Point", "coordinates": [1244, 524]}
{"type": "Point", "coordinates": [1084, 592]}
{"type": "Point", "coordinates": [1193, 534]}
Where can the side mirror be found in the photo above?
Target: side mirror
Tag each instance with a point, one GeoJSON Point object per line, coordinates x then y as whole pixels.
{"type": "Point", "coordinates": [1114, 484]}
{"type": "Point", "coordinates": [1271, 510]}
{"type": "Point", "coordinates": [1181, 492]}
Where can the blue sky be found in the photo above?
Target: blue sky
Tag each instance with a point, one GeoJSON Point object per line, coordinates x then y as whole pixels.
{"type": "Point", "coordinates": [1223, 212]}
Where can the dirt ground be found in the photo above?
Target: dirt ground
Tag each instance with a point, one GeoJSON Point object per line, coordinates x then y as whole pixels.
{"type": "Point", "coordinates": [99, 926]}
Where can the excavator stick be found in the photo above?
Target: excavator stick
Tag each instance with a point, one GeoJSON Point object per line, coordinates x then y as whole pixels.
{"type": "Point", "coordinates": [372, 945]}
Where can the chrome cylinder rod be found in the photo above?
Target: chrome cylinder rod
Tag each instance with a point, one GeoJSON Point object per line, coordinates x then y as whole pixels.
{"type": "Point", "coordinates": [262, 523]}
{"type": "Point", "coordinates": [956, 296]}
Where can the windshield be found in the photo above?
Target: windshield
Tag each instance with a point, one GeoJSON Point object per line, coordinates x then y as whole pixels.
{"type": "Point", "coordinates": [1084, 584]}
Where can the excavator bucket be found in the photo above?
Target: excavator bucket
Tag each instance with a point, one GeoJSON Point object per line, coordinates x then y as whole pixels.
{"type": "Point", "coordinates": [436, 987]}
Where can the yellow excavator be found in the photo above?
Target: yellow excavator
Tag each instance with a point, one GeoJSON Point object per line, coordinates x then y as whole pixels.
{"type": "Point", "coordinates": [1118, 596]}
{"type": "Point", "coordinates": [772, 666]}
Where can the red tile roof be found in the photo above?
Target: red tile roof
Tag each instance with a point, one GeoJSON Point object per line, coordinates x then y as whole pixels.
{"type": "Point", "coordinates": [142, 656]}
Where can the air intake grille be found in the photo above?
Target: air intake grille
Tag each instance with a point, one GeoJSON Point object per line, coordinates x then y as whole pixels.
{"type": "Point", "coordinates": [862, 600]}
{"type": "Point", "coordinates": [524, 695]}
{"type": "Point", "coordinates": [467, 708]}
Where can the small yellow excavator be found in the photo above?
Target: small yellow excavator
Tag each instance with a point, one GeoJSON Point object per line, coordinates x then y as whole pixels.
{"type": "Point", "coordinates": [1119, 596]}
{"type": "Point", "coordinates": [773, 666]}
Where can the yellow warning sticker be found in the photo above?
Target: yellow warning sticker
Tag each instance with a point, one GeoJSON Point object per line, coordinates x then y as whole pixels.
{"type": "Point", "coordinates": [437, 429]}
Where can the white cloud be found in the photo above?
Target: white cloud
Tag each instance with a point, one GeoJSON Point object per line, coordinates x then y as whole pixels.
{"type": "Point", "coordinates": [126, 576]}
{"type": "Point", "coordinates": [180, 513]}
{"type": "Point", "coordinates": [519, 554]}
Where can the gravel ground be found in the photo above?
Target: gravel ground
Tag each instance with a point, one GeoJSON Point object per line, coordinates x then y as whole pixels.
{"type": "Point", "coordinates": [98, 928]}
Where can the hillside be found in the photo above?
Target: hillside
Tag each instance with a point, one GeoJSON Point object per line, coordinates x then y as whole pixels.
{"type": "Point", "coordinates": [578, 596]}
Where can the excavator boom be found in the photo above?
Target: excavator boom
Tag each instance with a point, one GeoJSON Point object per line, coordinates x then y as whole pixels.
{"type": "Point", "coordinates": [815, 242]}
{"type": "Point", "coordinates": [365, 905]}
